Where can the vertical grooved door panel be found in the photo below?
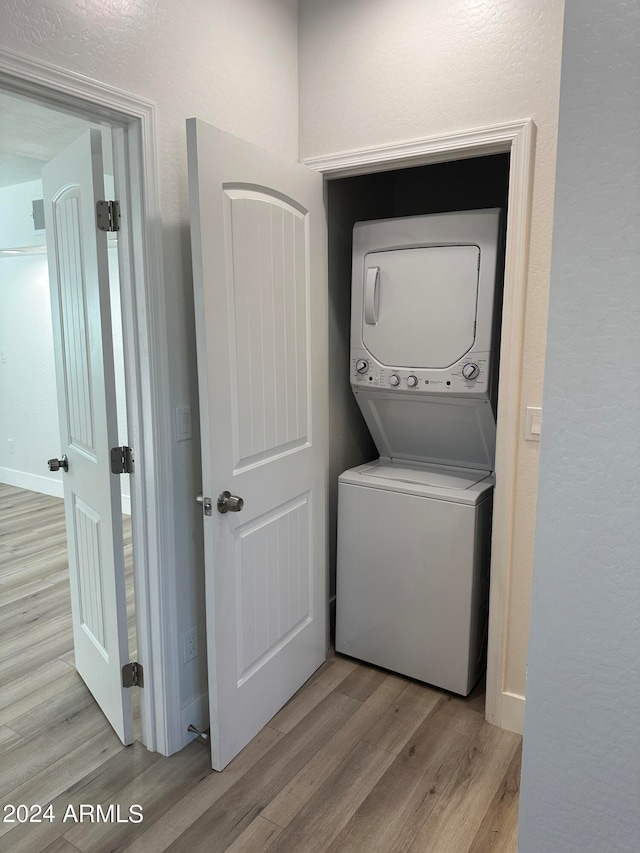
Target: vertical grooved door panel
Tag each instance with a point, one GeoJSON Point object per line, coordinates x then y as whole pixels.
{"type": "Point", "coordinates": [273, 583]}
{"type": "Point", "coordinates": [78, 415]}
{"type": "Point", "coordinates": [268, 288]}
{"type": "Point", "coordinates": [90, 573]}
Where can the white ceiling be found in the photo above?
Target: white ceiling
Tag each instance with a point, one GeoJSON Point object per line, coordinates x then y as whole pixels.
{"type": "Point", "coordinates": [30, 135]}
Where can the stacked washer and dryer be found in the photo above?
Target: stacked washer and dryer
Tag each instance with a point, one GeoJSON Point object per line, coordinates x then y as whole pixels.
{"type": "Point", "coordinates": [414, 526]}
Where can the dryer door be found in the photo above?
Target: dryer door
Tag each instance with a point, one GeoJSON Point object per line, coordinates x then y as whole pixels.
{"type": "Point", "coordinates": [419, 308]}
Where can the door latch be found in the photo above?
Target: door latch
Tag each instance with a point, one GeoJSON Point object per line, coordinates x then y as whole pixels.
{"type": "Point", "coordinates": [205, 503]}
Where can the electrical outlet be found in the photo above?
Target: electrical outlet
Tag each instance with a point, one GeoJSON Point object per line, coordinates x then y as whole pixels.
{"type": "Point", "coordinates": [11, 447]}
{"type": "Point", "coordinates": [189, 645]}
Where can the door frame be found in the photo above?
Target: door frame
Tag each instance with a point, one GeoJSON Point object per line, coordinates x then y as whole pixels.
{"type": "Point", "coordinates": [146, 369]}
{"type": "Point", "coordinates": [503, 708]}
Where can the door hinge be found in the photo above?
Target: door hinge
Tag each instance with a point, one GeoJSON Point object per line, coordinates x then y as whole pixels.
{"type": "Point", "coordinates": [132, 674]}
{"type": "Point", "coordinates": [108, 215]}
{"type": "Point", "coordinates": [121, 460]}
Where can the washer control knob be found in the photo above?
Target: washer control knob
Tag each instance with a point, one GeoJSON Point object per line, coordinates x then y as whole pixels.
{"type": "Point", "coordinates": [412, 381]}
{"type": "Point", "coordinates": [394, 380]}
{"type": "Point", "coordinates": [362, 365]}
{"type": "Point", "coordinates": [470, 370]}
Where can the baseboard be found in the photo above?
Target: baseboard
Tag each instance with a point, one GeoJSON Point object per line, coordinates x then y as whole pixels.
{"type": "Point", "coordinates": [31, 482]}
{"type": "Point", "coordinates": [512, 712]}
{"type": "Point", "coordinates": [196, 714]}
{"type": "Point", "coordinates": [44, 485]}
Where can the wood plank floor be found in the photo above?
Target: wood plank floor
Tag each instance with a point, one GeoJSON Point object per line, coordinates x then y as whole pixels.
{"type": "Point", "coordinates": [359, 760]}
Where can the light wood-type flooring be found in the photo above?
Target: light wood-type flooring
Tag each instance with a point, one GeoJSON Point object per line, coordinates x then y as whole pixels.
{"type": "Point", "coordinates": [359, 760]}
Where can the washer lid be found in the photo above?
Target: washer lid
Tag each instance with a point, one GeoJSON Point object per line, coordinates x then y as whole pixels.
{"type": "Point", "coordinates": [458, 431]}
{"type": "Point", "coordinates": [455, 485]}
{"type": "Point", "coordinates": [444, 477]}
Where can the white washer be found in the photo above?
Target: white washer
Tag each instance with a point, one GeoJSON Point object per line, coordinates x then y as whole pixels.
{"type": "Point", "coordinates": [413, 570]}
{"type": "Point", "coordinates": [414, 526]}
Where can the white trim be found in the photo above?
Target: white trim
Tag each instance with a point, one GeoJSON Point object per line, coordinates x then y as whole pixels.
{"type": "Point", "coordinates": [147, 378]}
{"type": "Point", "coordinates": [512, 712]}
{"type": "Point", "coordinates": [508, 434]}
{"type": "Point", "coordinates": [31, 482]}
{"type": "Point", "coordinates": [518, 139]}
{"type": "Point", "coordinates": [494, 139]}
{"type": "Point", "coordinates": [125, 501]}
{"type": "Point", "coordinates": [45, 485]}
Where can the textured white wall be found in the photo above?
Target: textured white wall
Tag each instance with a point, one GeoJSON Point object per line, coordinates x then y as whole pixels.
{"type": "Point", "coordinates": [230, 62]}
{"type": "Point", "coordinates": [374, 72]}
{"type": "Point", "coordinates": [580, 778]}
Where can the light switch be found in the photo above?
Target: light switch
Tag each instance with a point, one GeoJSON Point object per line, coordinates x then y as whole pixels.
{"type": "Point", "coordinates": [183, 423]}
{"type": "Point", "coordinates": [533, 423]}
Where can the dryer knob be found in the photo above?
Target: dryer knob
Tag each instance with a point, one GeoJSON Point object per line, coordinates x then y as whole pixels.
{"type": "Point", "coordinates": [394, 380]}
{"type": "Point", "coordinates": [362, 365]}
{"type": "Point", "coordinates": [412, 381]}
{"type": "Point", "coordinates": [470, 370]}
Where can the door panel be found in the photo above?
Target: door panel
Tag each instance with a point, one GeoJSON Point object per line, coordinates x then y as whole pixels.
{"type": "Point", "coordinates": [81, 312]}
{"type": "Point", "coordinates": [270, 395]}
{"type": "Point", "coordinates": [78, 412]}
{"type": "Point", "coordinates": [259, 254]}
{"type": "Point", "coordinates": [274, 584]}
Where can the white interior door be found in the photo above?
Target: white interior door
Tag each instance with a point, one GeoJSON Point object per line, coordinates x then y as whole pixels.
{"type": "Point", "coordinates": [259, 255]}
{"type": "Point", "coordinates": [79, 277]}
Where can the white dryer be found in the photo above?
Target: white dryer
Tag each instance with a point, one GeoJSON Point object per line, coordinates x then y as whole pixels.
{"type": "Point", "coordinates": [423, 303]}
{"type": "Point", "coordinates": [414, 527]}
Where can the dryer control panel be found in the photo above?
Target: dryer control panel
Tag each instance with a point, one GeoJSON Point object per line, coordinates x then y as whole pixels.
{"type": "Point", "coordinates": [468, 377]}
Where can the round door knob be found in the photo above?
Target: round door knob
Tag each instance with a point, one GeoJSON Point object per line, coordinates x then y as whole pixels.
{"type": "Point", "coordinates": [229, 503]}
{"type": "Point", "coordinates": [57, 464]}
{"type": "Point", "coordinates": [412, 381]}
{"type": "Point", "coordinates": [394, 380]}
{"type": "Point", "coordinates": [470, 370]}
{"type": "Point", "coordinates": [362, 365]}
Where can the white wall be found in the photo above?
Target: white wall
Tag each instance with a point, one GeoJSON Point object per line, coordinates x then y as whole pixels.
{"type": "Point", "coordinates": [374, 72]}
{"type": "Point", "coordinates": [28, 403]}
{"type": "Point", "coordinates": [28, 399]}
{"type": "Point", "coordinates": [580, 789]}
{"type": "Point", "coordinates": [16, 222]}
{"type": "Point", "coordinates": [230, 62]}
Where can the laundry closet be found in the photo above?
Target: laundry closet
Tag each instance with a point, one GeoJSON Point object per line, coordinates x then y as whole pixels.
{"type": "Point", "coordinates": [442, 636]}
